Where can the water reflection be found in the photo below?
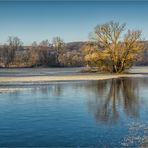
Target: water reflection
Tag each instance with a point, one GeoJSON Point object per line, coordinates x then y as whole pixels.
{"type": "Point", "coordinates": [107, 100]}
{"type": "Point", "coordinates": [119, 94]}
{"type": "Point", "coordinates": [54, 90]}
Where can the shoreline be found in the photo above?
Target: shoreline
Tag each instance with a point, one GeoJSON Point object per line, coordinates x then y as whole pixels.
{"type": "Point", "coordinates": [75, 77]}
{"type": "Point", "coordinates": [14, 84]}
{"type": "Point", "coordinates": [19, 79]}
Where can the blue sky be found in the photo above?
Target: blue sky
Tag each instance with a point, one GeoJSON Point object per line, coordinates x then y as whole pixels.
{"type": "Point", "coordinates": [72, 21]}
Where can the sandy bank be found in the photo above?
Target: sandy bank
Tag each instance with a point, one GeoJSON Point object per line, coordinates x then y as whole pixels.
{"type": "Point", "coordinates": [64, 78]}
{"type": "Point", "coordinates": [17, 79]}
{"type": "Point", "coordinates": [13, 84]}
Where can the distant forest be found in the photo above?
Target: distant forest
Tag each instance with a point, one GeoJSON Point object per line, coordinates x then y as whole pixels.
{"type": "Point", "coordinates": [46, 54]}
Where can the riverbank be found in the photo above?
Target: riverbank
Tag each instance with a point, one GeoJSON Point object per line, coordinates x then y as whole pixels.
{"type": "Point", "coordinates": [65, 78]}
{"type": "Point", "coordinates": [61, 74]}
{"type": "Point", "coordinates": [12, 79]}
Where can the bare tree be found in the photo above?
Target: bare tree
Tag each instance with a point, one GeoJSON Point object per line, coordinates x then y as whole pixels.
{"type": "Point", "coordinates": [14, 42]}
{"type": "Point", "coordinates": [33, 55]}
{"type": "Point", "coordinates": [8, 51]}
{"type": "Point", "coordinates": [44, 52]}
{"type": "Point", "coordinates": [44, 43]}
{"type": "Point", "coordinates": [34, 44]}
{"type": "Point", "coordinates": [116, 51]}
{"type": "Point", "coordinates": [59, 45]}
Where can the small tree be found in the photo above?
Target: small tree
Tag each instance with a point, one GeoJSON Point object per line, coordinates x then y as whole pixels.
{"type": "Point", "coordinates": [44, 53]}
{"type": "Point", "coordinates": [33, 55]}
{"type": "Point", "coordinates": [44, 44]}
{"type": "Point", "coordinates": [8, 52]}
{"type": "Point", "coordinates": [14, 42]}
{"type": "Point", "coordinates": [59, 45]}
{"type": "Point", "coordinates": [111, 50]}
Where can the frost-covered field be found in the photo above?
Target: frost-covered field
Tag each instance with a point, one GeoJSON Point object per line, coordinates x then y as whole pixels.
{"type": "Point", "coordinates": [10, 72]}
{"type": "Point", "coordinates": [13, 72]}
{"type": "Point", "coordinates": [139, 69]}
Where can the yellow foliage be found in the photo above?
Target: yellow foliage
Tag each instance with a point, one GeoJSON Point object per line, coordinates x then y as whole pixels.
{"type": "Point", "coordinates": [113, 50]}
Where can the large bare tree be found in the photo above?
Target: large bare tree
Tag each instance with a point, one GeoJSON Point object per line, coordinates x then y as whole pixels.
{"type": "Point", "coordinates": [112, 49]}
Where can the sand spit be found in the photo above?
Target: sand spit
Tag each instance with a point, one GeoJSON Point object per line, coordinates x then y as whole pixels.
{"type": "Point", "coordinates": [13, 84]}
{"type": "Point", "coordinates": [16, 79]}
{"type": "Point", "coordinates": [64, 78]}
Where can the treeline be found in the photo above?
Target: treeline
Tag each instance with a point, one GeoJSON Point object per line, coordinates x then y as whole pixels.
{"type": "Point", "coordinates": [43, 54]}
{"type": "Point", "coordinates": [56, 53]}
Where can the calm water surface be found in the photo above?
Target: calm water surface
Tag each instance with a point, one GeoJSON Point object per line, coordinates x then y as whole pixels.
{"type": "Point", "coordinates": [85, 113]}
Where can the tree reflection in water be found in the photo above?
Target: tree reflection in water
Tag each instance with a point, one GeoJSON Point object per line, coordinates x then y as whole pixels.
{"type": "Point", "coordinates": [116, 94]}
{"type": "Point", "coordinates": [107, 99]}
